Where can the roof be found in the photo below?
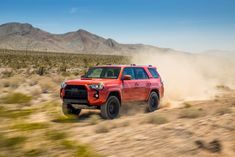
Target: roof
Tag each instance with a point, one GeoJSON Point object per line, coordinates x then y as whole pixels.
{"type": "Point", "coordinates": [123, 65]}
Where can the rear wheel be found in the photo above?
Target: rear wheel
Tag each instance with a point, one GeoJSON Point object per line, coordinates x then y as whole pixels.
{"type": "Point", "coordinates": [110, 109]}
{"type": "Point", "coordinates": [153, 102]}
{"type": "Point", "coordinates": [70, 111]}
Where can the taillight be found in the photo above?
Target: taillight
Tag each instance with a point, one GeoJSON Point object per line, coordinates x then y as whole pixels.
{"type": "Point", "coordinates": [61, 92]}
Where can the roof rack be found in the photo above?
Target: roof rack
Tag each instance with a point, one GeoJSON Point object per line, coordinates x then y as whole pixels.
{"type": "Point", "coordinates": [133, 64]}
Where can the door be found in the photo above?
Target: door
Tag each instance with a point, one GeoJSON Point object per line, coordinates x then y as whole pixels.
{"type": "Point", "coordinates": [129, 91]}
{"type": "Point", "coordinates": [142, 83]}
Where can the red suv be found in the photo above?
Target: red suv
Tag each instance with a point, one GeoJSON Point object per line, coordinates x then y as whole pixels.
{"type": "Point", "coordinates": [109, 87]}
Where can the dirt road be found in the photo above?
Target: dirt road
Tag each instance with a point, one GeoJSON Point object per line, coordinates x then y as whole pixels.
{"type": "Point", "coordinates": [196, 128]}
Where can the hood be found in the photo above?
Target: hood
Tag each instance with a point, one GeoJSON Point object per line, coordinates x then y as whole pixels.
{"type": "Point", "coordinates": [85, 81]}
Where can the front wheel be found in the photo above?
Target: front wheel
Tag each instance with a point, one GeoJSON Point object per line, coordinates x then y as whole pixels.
{"type": "Point", "coordinates": [110, 109]}
{"type": "Point", "coordinates": [153, 102]}
{"type": "Point", "coordinates": [70, 111]}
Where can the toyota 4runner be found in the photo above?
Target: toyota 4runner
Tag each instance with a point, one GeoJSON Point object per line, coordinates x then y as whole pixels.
{"type": "Point", "coordinates": [108, 87]}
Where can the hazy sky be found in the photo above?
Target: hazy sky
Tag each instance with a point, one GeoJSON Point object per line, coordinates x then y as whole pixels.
{"type": "Point", "coordinates": [189, 25]}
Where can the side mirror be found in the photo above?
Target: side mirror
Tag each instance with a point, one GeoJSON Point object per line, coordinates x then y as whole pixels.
{"type": "Point", "coordinates": [126, 77]}
{"type": "Point", "coordinates": [83, 76]}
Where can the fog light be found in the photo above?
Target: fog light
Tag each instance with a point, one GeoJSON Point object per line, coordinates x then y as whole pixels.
{"type": "Point", "coordinates": [96, 95]}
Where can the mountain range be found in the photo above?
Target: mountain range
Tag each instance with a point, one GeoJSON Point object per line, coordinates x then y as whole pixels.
{"type": "Point", "coordinates": [24, 36]}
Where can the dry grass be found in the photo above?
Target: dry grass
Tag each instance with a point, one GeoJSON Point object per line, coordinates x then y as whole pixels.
{"type": "Point", "coordinates": [156, 119]}
{"type": "Point", "coordinates": [14, 114]}
{"type": "Point", "coordinates": [10, 142]}
{"type": "Point", "coordinates": [124, 124]}
{"type": "Point", "coordinates": [36, 92]}
{"type": "Point", "coordinates": [94, 119]}
{"type": "Point", "coordinates": [34, 152]}
{"type": "Point", "coordinates": [38, 75]}
{"type": "Point", "coordinates": [223, 87]}
{"type": "Point", "coordinates": [223, 110]}
{"type": "Point", "coordinates": [101, 128]}
{"type": "Point", "coordinates": [191, 113]}
{"type": "Point", "coordinates": [56, 135]}
{"type": "Point", "coordinates": [47, 85]}
{"type": "Point", "coordinates": [187, 105]}
{"type": "Point", "coordinates": [16, 98]}
{"type": "Point", "coordinates": [30, 126]}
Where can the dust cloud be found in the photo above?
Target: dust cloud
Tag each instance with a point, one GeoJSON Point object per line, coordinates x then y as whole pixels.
{"type": "Point", "coordinates": [189, 76]}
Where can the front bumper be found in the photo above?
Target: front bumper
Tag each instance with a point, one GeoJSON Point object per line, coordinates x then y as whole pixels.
{"type": "Point", "coordinates": [91, 98]}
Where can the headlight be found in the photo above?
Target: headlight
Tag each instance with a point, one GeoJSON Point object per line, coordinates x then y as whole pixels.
{"type": "Point", "coordinates": [63, 85]}
{"type": "Point", "coordinates": [97, 86]}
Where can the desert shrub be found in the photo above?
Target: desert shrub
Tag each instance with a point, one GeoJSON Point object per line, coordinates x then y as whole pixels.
{"type": "Point", "coordinates": [223, 87]}
{"type": "Point", "coordinates": [94, 119]}
{"type": "Point", "coordinates": [6, 83]}
{"type": "Point", "coordinates": [101, 128]}
{"type": "Point", "coordinates": [36, 92]}
{"type": "Point", "coordinates": [80, 150]}
{"type": "Point", "coordinates": [33, 81]}
{"type": "Point", "coordinates": [58, 79]}
{"type": "Point", "coordinates": [63, 119]}
{"type": "Point", "coordinates": [125, 123]}
{"type": "Point", "coordinates": [12, 82]}
{"type": "Point", "coordinates": [223, 110]}
{"type": "Point", "coordinates": [187, 105]}
{"type": "Point", "coordinates": [15, 113]}
{"type": "Point", "coordinates": [15, 82]}
{"type": "Point", "coordinates": [46, 85]}
{"type": "Point", "coordinates": [34, 152]}
{"type": "Point", "coordinates": [65, 74]}
{"type": "Point", "coordinates": [156, 119]}
{"type": "Point", "coordinates": [10, 142]}
{"type": "Point", "coordinates": [16, 98]}
{"type": "Point", "coordinates": [6, 74]}
{"type": "Point", "coordinates": [68, 144]}
{"type": "Point", "coordinates": [62, 68]}
{"type": "Point", "coordinates": [30, 126]}
{"type": "Point", "coordinates": [56, 135]}
{"type": "Point", "coordinates": [85, 151]}
{"type": "Point", "coordinates": [85, 61]}
{"type": "Point", "coordinates": [190, 113]}
{"type": "Point", "coordinates": [40, 71]}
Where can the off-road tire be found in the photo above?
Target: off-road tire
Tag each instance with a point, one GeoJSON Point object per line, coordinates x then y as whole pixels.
{"type": "Point", "coordinates": [70, 111]}
{"type": "Point", "coordinates": [110, 109]}
{"type": "Point", "coordinates": [153, 102]}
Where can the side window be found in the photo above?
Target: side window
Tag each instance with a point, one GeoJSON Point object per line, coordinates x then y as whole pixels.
{"type": "Point", "coordinates": [153, 72]}
{"type": "Point", "coordinates": [140, 73]}
{"type": "Point", "coordinates": [129, 71]}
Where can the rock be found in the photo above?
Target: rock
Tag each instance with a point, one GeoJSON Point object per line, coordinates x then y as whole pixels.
{"type": "Point", "coordinates": [214, 146]}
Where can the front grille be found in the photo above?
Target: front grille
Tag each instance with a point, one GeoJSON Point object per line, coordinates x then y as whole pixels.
{"type": "Point", "coordinates": [75, 92]}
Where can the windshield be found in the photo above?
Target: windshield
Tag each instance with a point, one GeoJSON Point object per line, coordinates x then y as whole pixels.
{"type": "Point", "coordinates": [103, 72]}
